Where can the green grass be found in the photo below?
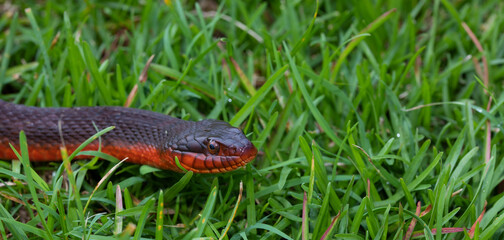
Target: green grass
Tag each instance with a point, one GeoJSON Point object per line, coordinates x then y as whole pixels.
{"type": "Point", "coordinates": [372, 119]}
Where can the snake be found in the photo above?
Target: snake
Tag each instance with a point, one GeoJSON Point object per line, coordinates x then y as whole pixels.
{"type": "Point", "coordinates": [139, 136]}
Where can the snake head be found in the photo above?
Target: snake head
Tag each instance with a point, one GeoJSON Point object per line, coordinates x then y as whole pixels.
{"type": "Point", "coordinates": [210, 146]}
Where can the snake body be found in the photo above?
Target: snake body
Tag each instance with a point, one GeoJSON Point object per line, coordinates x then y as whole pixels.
{"type": "Point", "coordinates": [144, 137]}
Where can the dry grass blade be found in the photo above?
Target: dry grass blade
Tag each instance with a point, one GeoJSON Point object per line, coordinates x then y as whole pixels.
{"type": "Point", "coordinates": [369, 159]}
{"type": "Point", "coordinates": [143, 75]}
{"type": "Point", "coordinates": [102, 181]}
{"type": "Point", "coordinates": [55, 40]}
{"type": "Point", "coordinates": [480, 49]}
{"type": "Point", "coordinates": [234, 212]}
{"type": "Point", "coordinates": [238, 24]}
{"type": "Point", "coordinates": [4, 184]}
{"type": "Point", "coordinates": [477, 66]}
{"type": "Point", "coordinates": [128, 231]}
{"type": "Point", "coordinates": [457, 192]}
{"type": "Point", "coordinates": [119, 207]}
{"type": "Point", "coordinates": [426, 105]}
{"type": "Point", "coordinates": [488, 134]}
{"type": "Point", "coordinates": [427, 210]}
{"type": "Point", "coordinates": [443, 231]}
{"type": "Point", "coordinates": [484, 75]}
{"type": "Point", "coordinates": [411, 227]}
{"type": "Point", "coordinates": [141, 79]}
{"type": "Point", "coordinates": [369, 188]}
{"type": "Point", "coordinates": [131, 95]}
{"type": "Point", "coordinates": [473, 228]}
{"type": "Point", "coordinates": [326, 233]}
{"type": "Point", "coordinates": [13, 199]}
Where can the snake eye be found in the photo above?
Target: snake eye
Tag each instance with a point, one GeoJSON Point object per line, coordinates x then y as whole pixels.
{"type": "Point", "coordinates": [213, 147]}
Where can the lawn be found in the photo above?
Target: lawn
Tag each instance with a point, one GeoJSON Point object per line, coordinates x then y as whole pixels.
{"type": "Point", "coordinates": [373, 119]}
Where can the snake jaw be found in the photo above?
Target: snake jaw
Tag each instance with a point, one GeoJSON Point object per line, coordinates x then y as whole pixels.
{"type": "Point", "coordinates": [248, 153]}
{"type": "Point", "coordinates": [204, 162]}
{"type": "Point", "coordinates": [208, 163]}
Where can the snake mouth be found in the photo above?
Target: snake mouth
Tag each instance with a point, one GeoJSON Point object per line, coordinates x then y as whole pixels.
{"type": "Point", "coordinates": [248, 153]}
{"type": "Point", "coordinates": [202, 163]}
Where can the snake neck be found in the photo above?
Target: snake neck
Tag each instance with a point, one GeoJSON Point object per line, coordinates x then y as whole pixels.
{"type": "Point", "coordinates": [47, 129]}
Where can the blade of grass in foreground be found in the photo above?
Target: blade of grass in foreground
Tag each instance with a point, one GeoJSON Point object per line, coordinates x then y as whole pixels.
{"type": "Point", "coordinates": [101, 182]}
{"type": "Point", "coordinates": [159, 218]}
{"type": "Point", "coordinates": [71, 177]}
{"type": "Point", "coordinates": [31, 184]}
{"type": "Point", "coordinates": [143, 218]}
{"type": "Point", "coordinates": [206, 213]}
{"type": "Point", "coordinates": [172, 192]}
{"type": "Point", "coordinates": [230, 221]}
{"type": "Point", "coordinates": [251, 196]}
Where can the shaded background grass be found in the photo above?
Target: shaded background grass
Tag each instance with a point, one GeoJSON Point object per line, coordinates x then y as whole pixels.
{"type": "Point", "coordinates": [369, 108]}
